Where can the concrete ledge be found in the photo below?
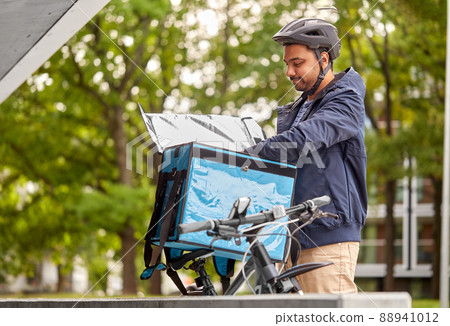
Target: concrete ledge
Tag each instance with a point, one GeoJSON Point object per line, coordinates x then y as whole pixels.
{"type": "Point", "coordinates": [361, 300]}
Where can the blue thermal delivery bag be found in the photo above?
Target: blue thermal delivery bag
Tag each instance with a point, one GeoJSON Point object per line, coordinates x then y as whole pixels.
{"type": "Point", "coordinates": [211, 179]}
{"type": "Point", "coordinates": [201, 179]}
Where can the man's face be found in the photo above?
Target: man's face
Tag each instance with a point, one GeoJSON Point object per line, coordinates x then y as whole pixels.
{"type": "Point", "coordinates": [302, 66]}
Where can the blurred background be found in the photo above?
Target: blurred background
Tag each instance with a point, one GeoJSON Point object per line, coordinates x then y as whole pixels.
{"type": "Point", "coordinates": [71, 207]}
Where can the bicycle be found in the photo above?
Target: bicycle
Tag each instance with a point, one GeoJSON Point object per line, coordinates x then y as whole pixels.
{"type": "Point", "coordinates": [272, 281]}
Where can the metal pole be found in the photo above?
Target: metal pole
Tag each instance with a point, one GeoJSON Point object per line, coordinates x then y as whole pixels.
{"type": "Point", "coordinates": [446, 177]}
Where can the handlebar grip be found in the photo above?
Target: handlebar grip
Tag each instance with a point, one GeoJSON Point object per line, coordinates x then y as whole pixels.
{"type": "Point", "coordinates": [321, 201]}
{"type": "Point", "coordinates": [196, 226]}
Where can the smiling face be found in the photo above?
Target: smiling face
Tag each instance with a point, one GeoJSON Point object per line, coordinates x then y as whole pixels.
{"type": "Point", "coordinates": [302, 66]}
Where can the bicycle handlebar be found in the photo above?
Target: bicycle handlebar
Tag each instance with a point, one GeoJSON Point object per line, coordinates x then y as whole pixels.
{"type": "Point", "coordinates": [320, 201]}
{"type": "Point", "coordinates": [197, 226]}
{"type": "Point", "coordinates": [257, 218]}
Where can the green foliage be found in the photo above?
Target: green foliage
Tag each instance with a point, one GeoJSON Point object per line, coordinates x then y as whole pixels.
{"type": "Point", "coordinates": [397, 46]}
{"type": "Point", "coordinates": [112, 207]}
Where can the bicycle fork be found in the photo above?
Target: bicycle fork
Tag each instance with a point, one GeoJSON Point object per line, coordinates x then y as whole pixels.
{"type": "Point", "coordinates": [261, 261]}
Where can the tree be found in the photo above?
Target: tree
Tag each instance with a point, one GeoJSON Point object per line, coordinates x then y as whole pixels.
{"type": "Point", "coordinates": [70, 141]}
{"type": "Point", "coordinates": [112, 78]}
{"type": "Point", "coordinates": [41, 162]}
{"type": "Point", "coordinates": [404, 73]}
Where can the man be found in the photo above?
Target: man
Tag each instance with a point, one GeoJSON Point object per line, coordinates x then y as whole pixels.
{"type": "Point", "coordinates": [323, 134]}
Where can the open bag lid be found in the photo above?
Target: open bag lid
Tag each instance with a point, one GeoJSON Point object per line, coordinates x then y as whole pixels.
{"type": "Point", "coordinates": [231, 133]}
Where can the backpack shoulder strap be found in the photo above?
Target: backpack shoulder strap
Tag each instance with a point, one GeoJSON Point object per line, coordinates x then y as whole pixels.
{"type": "Point", "coordinates": [225, 268]}
{"type": "Point", "coordinates": [171, 254]}
{"type": "Point", "coordinates": [166, 218]}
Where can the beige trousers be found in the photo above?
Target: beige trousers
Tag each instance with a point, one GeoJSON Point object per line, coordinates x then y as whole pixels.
{"type": "Point", "coordinates": [336, 278]}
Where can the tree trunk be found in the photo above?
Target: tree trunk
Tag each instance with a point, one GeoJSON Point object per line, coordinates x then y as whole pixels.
{"type": "Point", "coordinates": [64, 281]}
{"type": "Point", "coordinates": [128, 254]}
{"type": "Point", "coordinates": [120, 145]}
{"type": "Point", "coordinates": [226, 56]}
{"type": "Point", "coordinates": [437, 223]}
{"type": "Point", "coordinates": [36, 281]}
{"type": "Point", "coordinates": [61, 280]}
{"type": "Point", "coordinates": [127, 238]}
{"type": "Point", "coordinates": [390, 236]}
{"type": "Point", "coordinates": [155, 283]}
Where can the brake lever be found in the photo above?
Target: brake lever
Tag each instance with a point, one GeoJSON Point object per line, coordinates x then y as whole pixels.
{"type": "Point", "coordinates": [310, 216]}
{"type": "Point", "coordinates": [223, 232]}
{"type": "Point", "coordinates": [330, 215]}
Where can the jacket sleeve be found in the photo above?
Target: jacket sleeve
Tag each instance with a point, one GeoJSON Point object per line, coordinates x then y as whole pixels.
{"type": "Point", "coordinates": [338, 119]}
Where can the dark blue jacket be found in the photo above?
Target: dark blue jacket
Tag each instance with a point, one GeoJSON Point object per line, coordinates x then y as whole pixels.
{"type": "Point", "coordinates": [332, 163]}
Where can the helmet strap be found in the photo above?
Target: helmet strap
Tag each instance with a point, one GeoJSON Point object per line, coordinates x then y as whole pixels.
{"type": "Point", "coordinates": [321, 76]}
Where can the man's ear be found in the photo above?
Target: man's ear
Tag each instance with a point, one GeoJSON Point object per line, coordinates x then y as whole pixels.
{"type": "Point", "coordinates": [325, 57]}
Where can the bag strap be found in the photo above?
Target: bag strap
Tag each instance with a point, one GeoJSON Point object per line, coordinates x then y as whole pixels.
{"type": "Point", "coordinates": [176, 200]}
{"type": "Point", "coordinates": [225, 268]}
{"type": "Point", "coordinates": [173, 274]}
{"type": "Point", "coordinates": [159, 202]}
{"type": "Point", "coordinates": [167, 217]}
{"type": "Point", "coordinates": [169, 213]}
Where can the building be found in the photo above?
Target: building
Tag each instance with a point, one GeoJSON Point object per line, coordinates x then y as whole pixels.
{"type": "Point", "coordinates": [414, 244]}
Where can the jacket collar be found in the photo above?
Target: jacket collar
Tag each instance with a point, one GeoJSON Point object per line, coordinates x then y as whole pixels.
{"type": "Point", "coordinates": [330, 85]}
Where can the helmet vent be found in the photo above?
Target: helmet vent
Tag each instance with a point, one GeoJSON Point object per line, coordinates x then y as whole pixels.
{"type": "Point", "coordinates": [293, 27]}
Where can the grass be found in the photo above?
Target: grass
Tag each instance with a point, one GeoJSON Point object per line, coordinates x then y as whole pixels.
{"type": "Point", "coordinates": [426, 303]}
